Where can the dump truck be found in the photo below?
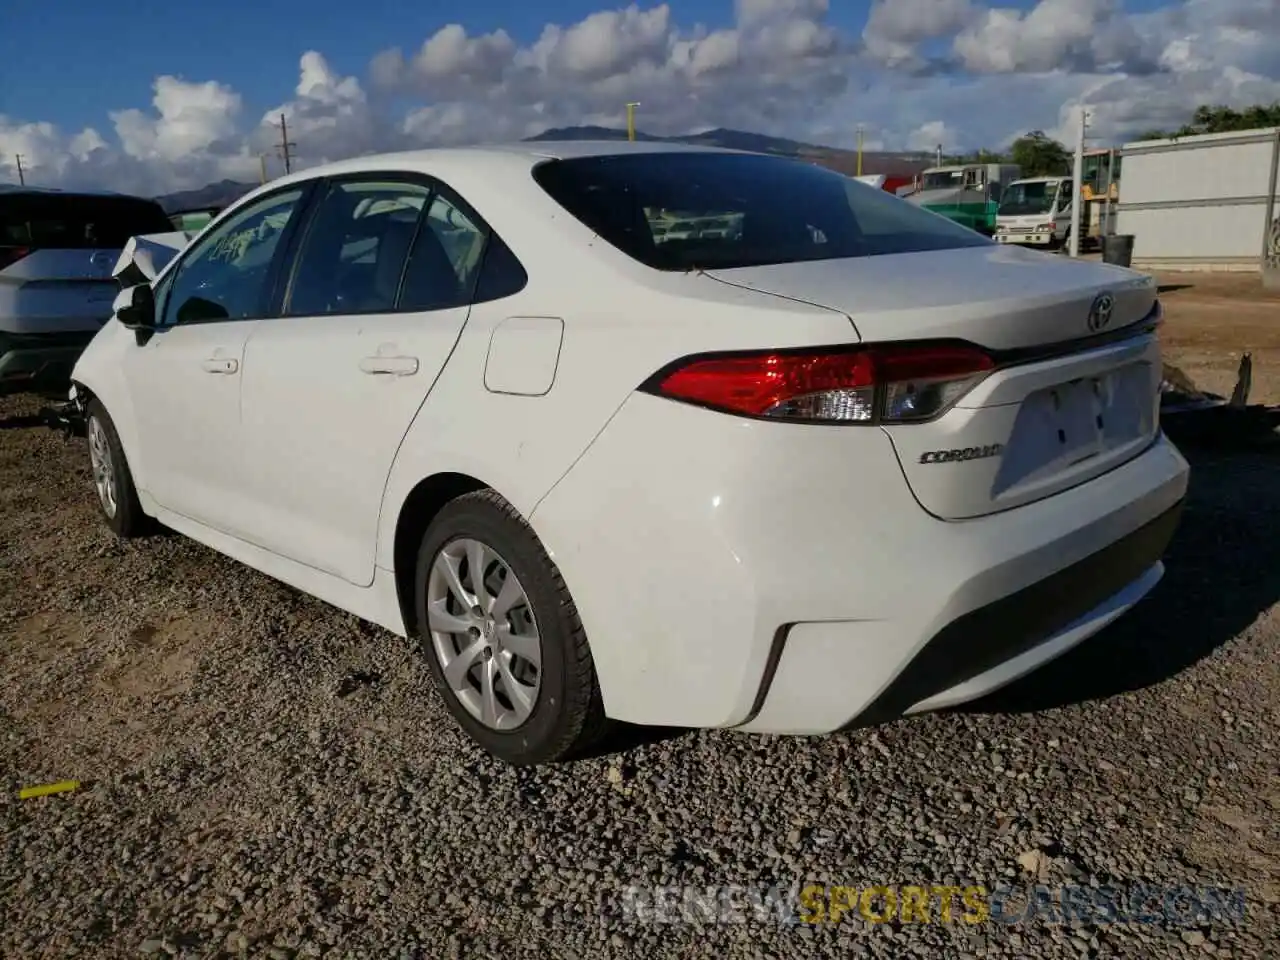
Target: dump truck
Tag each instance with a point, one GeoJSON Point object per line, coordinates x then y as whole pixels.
{"type": "Point", "coordinates": [967, 193]}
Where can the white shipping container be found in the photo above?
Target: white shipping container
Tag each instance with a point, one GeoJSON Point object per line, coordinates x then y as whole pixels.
{"type": "Point", "coordinates": [1198, 201]}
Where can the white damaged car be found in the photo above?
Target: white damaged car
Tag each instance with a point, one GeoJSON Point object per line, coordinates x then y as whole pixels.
{"type": "Point", "coordinates": [847, 461]}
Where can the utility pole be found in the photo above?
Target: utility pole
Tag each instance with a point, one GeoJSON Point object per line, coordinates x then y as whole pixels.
{"type": "Point", "coordinates": [285, 144]}
{"type": "Point", "coordinates": [631, 119]}
{"type": "Point", "coordinates": [22, 180]}
{"type": "Point", "coordinates": [262, 163]}
{"type": "Point", "coordinates": [1076, 202]}
{"type": "Point", "coordinates": [859, 149]}
{"type": "Point", "coordinates": [939, 154]}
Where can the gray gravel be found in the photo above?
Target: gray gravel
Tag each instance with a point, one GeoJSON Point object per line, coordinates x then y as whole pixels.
{"type": "Point", "coordinates": [264, 776]}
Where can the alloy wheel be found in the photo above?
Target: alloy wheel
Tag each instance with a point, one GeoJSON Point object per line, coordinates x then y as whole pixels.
{"type": "Point", "coordinates": [104, 477]}
{"type": "Point", "coordinates": [484, 634]}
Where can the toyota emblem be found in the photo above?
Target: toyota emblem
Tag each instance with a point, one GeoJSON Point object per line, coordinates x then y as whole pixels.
{"type": "Point", "coordinates": [1100, 313]}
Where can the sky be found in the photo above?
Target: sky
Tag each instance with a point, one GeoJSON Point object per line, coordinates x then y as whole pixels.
{"type": "Point", "coordinates": [174, 95]}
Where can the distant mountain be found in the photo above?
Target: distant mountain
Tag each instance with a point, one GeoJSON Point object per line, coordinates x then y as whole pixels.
{"type": "Point", "coordinates": [845, 161]}
{"type": "Point", "coordinates": [218, 194]}
{"type": "Point", "coordinates": [586, 133]}
{"type": "Point", "coordinates": [720, 137]}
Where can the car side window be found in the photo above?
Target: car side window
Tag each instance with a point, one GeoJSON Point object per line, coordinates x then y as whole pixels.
{"type": "Point", "coordinates": [225, 276]}
{"type": "Point", "coordinates": [501, 273]}
{"type": "Point", "coordinates": [353, 256]}
{"type": "Point", "coordinates": [446, 259]}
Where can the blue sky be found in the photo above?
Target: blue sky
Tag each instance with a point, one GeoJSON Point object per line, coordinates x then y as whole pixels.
{"type": "Point", "coordinates": [176, 93]}
{"type": "Point", "coordinates": [60, 74]}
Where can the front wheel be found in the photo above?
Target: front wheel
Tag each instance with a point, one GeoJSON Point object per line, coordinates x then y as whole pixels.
{"type": "Point", "coordinates": [502, 635]}
{"type": "Point", "coordinates": [117, 496]}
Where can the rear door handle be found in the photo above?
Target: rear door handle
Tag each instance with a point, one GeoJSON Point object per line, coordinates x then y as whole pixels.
{"type": "Point", "coordinates": [394, 366]}
{"type": "Point", "coordinates": [221, 365]}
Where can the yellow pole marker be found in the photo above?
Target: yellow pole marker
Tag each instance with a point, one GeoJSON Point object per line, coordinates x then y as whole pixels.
{"type": "Point", "coordinates": [62, 786]}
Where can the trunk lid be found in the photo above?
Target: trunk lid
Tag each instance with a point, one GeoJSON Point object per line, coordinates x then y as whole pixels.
{"type": "Point", "coordinates": [59, 291]}
{"type": "Point", "coordinates": [1076, 389]}
{"type": "Point", "coordinates": [58, 251]}
{"type": "Point", "coordinates": [995, 296]}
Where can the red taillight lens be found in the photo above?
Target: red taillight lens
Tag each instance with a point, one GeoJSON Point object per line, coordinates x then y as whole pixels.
{"type": "Point", "coordinates": [898, 384]}
{"type": "Point", "coordinates": [11, 255]}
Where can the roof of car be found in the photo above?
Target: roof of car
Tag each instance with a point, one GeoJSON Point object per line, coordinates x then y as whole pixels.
{"type": "Point", "coordinates": [482, 164]}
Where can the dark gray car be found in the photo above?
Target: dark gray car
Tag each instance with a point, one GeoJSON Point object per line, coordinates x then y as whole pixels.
{"type": "Point", "coordinates": [57, 251]}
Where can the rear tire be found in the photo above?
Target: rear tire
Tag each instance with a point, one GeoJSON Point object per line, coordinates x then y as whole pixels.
{"type": "Point", "coordinates": [510, 657]}
{"type": "Point", "coordinates": [117, 496]}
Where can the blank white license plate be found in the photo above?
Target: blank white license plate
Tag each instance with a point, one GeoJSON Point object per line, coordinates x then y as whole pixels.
{"type": "Point", "coordinates": [1089, 417]}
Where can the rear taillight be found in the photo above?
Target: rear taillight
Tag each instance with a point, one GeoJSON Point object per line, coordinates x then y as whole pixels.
{"type": "Point", "coordinates": [891, 384]}
{"type": "Point", "coordinates": [11, 255]}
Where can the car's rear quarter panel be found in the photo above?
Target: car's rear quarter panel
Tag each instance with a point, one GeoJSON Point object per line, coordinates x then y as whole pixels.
{"type": "Point", "coordinates": [622, 322]}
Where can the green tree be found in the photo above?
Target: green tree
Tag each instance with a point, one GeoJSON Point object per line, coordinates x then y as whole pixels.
{"type": "Point", "coordinates": [1039, 155]}
{"type": "Point", "coordinates": [1210, 118]}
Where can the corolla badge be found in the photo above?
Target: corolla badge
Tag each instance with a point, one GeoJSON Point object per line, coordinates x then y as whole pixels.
{"type": "Point", "coordinates": [1104, 304]}
{"type": "Point", "coordinates": [962, 454]}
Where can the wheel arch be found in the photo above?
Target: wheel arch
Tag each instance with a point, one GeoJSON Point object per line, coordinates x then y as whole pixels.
{"type": "Point", "coordinates": [427, 498]}
{"type": "Point", "coordinates": [99, 374]}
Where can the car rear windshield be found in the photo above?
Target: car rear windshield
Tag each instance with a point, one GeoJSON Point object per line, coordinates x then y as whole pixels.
{"type": "Point", "coordinates": [77, 222]}
{"type": "Point", "coordinates": [689, 211]}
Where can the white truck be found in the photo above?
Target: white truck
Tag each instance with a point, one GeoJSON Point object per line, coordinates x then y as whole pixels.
{"type": "Point", "coordinates": [1036, 212]}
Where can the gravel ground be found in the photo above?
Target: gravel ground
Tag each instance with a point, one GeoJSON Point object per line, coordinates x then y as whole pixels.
{"type": "Point", "coordinates": [264, 776]}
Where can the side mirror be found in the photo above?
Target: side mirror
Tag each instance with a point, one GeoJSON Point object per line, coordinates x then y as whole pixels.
{"type": "Point", "coordinates": [135, 307]}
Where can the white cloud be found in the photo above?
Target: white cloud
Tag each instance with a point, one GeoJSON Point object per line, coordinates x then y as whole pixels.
{"type": "Point", "coordinates": [1120, 107]}
{"type": "Point", "coordinates": [190, 118]}
{"type": "Point", "coordinates": [895, 27]}
{"type": "Point", "coordinates": [964, 73]}
{"type": "Point", "coordinates": [1078, 35]}
{"type": "Point", "coordinates": [931, 135]}
{"type": "Point", "coordinates": [329, 117]}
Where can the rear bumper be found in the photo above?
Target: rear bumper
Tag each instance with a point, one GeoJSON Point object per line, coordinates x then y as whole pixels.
{"type": "Point", "coordinates": [995, 644]}
{"type": "Point", "coordinates": [39, 362]}
{"type": "Point", "coordinates": [782, 578]}
{"type": "Point", "coordinates": [1026, 239]}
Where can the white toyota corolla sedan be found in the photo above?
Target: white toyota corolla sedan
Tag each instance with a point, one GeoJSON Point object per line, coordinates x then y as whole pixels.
{"type": "Point", "coordinates": [657, 434]}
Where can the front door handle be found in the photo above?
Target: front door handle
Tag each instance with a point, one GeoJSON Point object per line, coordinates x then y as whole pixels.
{"type": "Point", "coordinates": [221, 365]}
{"type": "Point", "coordinates": [395, 366]}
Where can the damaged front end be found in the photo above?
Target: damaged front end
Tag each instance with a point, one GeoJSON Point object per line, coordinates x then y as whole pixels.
{"type": "Point", "coordinates": [140, 262]}
{"type": "Point", "coordinates": [66, 417]}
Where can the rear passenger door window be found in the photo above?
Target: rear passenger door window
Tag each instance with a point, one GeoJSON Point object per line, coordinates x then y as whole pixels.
{"type": "Point", "coordinates": [352, 258]}
{"type": "Point", "coordinates": [396, 246]}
